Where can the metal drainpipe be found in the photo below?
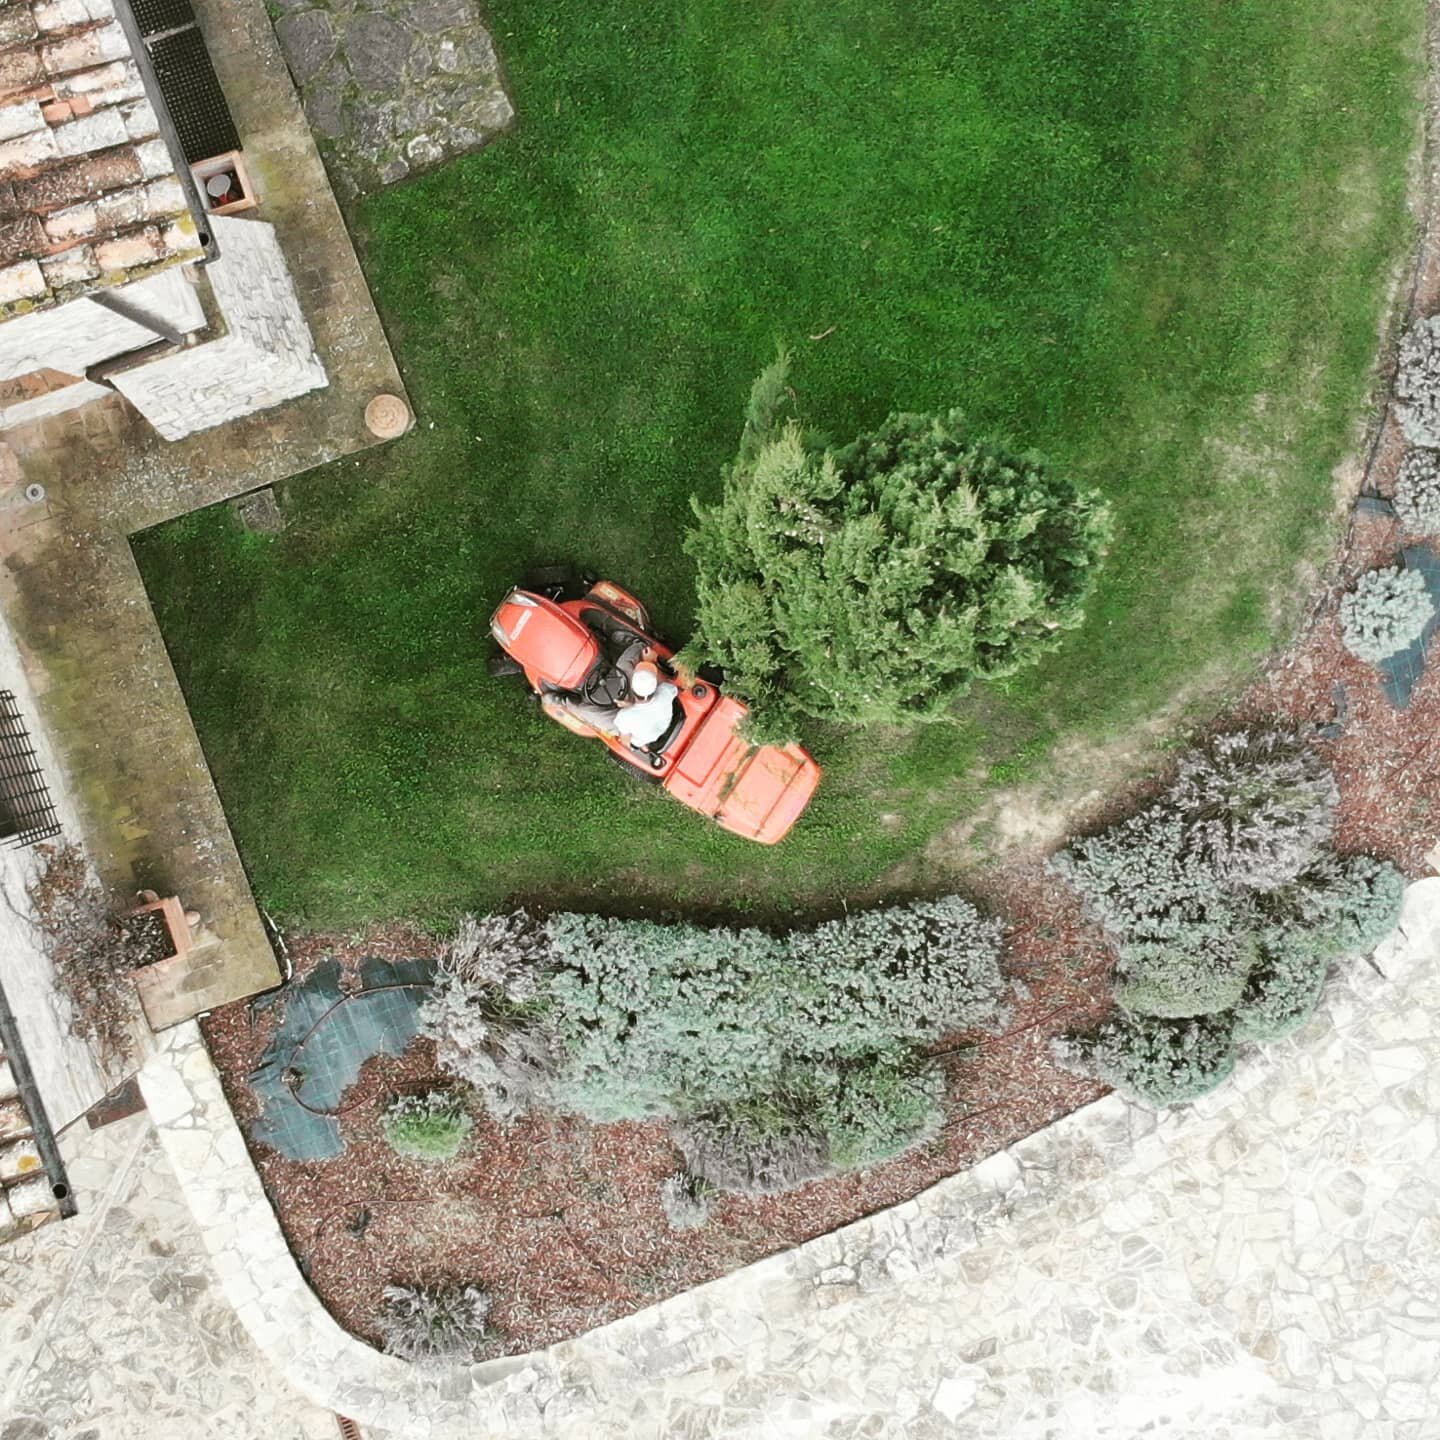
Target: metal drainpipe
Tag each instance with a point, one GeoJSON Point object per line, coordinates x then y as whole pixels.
{"type": "Point", "coordinates": [35, 1107]}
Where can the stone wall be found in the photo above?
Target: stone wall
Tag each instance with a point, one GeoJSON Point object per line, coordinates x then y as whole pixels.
{"type": "Point", "coordinates": [52, 402]}
{"type": "Point", "coordinates": [265, 357]}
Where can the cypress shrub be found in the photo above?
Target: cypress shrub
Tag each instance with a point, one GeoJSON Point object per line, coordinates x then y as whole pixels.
{"type": "Point", "coordinates": [1162, 1062]}
{"type": "Point", "coordinates": [875, 583]}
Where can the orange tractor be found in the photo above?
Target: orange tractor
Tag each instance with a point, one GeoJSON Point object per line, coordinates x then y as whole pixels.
{"type": "Point", "coordinates": [569, 640]}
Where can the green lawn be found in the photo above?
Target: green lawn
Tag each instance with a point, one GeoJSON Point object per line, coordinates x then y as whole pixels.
{"type": "Point", "coordinates": [1151, 238]}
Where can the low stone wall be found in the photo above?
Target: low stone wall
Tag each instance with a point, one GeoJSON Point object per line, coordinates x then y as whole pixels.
{"type": "Point", "coordinates": [1261, 1232]}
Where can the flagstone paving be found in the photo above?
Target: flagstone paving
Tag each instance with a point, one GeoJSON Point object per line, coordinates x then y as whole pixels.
{"type": "Point", "coordinates": [391, 87]}
{"type": "Point", "coordinates": [1260, 1265]}
{"type": "Point", "coordinates": [113, 1325]}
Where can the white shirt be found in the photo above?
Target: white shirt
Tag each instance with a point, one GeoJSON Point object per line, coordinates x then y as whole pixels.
{"type": "Point", "coordinates": [647, 720]}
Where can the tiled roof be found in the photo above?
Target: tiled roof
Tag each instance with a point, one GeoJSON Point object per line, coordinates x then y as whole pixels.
{"type": "Point", "coordinates": [88, 189]}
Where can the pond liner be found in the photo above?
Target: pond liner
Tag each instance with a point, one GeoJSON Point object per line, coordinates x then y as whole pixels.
{"type": "Point", "coordinates": [1400, 673]}
{"type": "Point", "coordinates": [328, 1029]}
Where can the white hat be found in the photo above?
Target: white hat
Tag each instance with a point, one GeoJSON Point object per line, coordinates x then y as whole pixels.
{"type": "Point", "coordinates": [644, 680]}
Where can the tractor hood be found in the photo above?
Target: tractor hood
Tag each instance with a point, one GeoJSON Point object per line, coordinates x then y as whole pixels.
{"type": "Point", "coordinates": [545, 639]}
{"type": "Point", "coordinates": [756, 791]}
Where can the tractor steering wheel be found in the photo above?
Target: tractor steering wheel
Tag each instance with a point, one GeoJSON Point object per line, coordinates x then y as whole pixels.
{"type": "Point", "coordinates": [596, 689]}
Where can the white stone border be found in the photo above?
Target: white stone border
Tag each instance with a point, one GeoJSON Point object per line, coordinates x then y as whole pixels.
{"type": "Point", "coordinates": [331, 1367]}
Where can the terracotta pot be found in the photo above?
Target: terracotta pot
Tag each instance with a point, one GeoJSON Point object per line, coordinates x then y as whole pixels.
{"type": "Point", "coordinates": [177, 923]}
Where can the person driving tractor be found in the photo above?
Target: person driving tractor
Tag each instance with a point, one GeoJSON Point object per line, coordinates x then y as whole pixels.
{"type": "Point", "coordinates": [587, 653]}
{"type": "Point", "coordinates": [641, 712]}
{"type": "Point", "coordinates": [645, 716]}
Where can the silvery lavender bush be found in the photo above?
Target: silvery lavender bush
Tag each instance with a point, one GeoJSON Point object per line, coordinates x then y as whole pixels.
{"type": "Point", "coordinates": [1417, 493]}
{"type": "Point", "coordinates": [435, 1328]}
{"type": "Point", "coordinates": [686, 1201]}
{"type": "Point", "coordinates": [1417, 383]}
{"type": "Point", "coordinates": [1386, 611]}
{"type": "Point", "coordinates": [1256, 806]}
{"type": "Point", "coordinates": [508, 951]}
{"type": "Point", "coordinates": [755, 1149]}
{"type": "Point", "coordinates": [485, 1016]}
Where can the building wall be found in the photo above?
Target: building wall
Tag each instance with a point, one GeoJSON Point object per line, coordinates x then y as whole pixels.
{"type": "Point", "coordinates": [267, 354]}
{"type": "Point", "coordinates": [81, 333]}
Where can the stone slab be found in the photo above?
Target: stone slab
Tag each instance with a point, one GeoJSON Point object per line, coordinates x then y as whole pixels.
{"type": "Point", "coordinates": [394, 87]}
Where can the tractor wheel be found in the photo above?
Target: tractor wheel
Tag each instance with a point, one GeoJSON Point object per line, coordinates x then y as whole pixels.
{"type": "Point", "coordinates": [640, 777]}
{"type": "Point", "coordinates": [501, 666]}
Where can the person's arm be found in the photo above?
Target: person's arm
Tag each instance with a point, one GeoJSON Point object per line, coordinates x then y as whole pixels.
{"type": "Point", "coordinates": [630, 657]}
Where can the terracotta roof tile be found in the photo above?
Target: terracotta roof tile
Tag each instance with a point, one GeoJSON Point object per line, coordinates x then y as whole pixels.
{"type": "Point", "coordinates": [89, 193]}
{"type": "Point", "coordinates": [21, 238]}
{"type": "Point", "coordinates": [20, 69]}
{"type": "Point", "coordinates": [17, 24]}
{"type": "Point", "coordinates": [84, 179]}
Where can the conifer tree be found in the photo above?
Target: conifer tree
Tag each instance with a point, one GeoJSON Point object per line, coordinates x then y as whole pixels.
{"type": "Point", "coordinates": [874, 584]}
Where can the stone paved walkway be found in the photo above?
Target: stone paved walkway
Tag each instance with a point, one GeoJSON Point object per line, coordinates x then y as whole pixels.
{"type": "Point", "coordinates": [393, 86]}
{"type": "Point", "coordinates": [112, 1325]}
{"type": "Point", "coordinates": [1261, 1265]}
{"type": "Point", "coordinates": [70, 592]}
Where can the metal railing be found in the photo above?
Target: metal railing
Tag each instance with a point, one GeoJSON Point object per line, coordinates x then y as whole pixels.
{"type": "Point", "coordinates": [27, 813]}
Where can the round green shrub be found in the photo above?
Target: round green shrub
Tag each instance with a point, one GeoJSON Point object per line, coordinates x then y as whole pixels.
{"type": "Point", "coordinates": [1283, 990]}
{"type": "Point", "coordinates": [1342, 905]}
{"type": "Point", "coordinates": [1162, 1062]}
{"type": "Point", "coordinates": [1179, 980]}
{"type": "Point", "coordinates": [874, 1112]}
{"type": "Point", "coordinates": [431, 1126]}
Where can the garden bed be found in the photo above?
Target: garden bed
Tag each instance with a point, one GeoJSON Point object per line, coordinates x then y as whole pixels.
{"type": "Point", "coordinates": [561, 1221]}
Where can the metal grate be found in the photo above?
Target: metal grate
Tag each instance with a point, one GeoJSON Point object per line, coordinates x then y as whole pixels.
{"type": "Point", "coordinates": [27, 813]}
{"type": "Point", "coordinates": [193, 95]}
{"type": "Point", "coordinates": [348, 1429]}
{"type": "Point", "coordinates": [154, 17]}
